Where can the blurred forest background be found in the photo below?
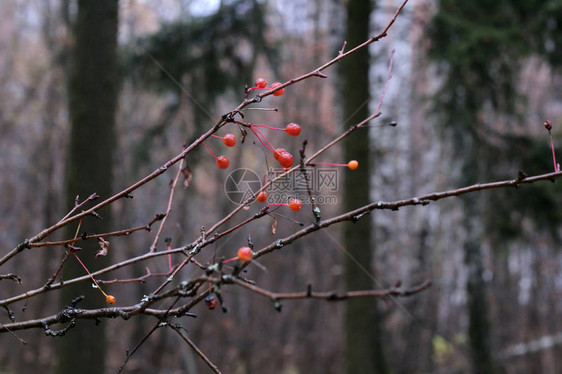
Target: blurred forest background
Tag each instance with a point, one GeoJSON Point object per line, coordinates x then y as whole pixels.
{"type": "Point", "coordinates": [472, 84]}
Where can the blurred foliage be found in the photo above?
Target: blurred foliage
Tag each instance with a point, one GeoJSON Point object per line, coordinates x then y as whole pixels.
{"type": "Point", "coordinates": [205, 55]}
{"type": "Point", "coordinates": [480, 46]}
{"type": "Point", "coordinates": [222, 47]}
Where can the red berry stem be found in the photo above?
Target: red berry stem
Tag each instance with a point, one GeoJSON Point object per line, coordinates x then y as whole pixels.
{"type": "Point", "coordinates": [327, 163]}
{"type": "Point", "coordinates": [216, 136]}
{"type": "Point", "coordinates": [257, 88]}
{"type": "Point", "coordinates": [90, 274]}
{"type": "Point", "coordinates": [230, 260]}
{"type": "Point", "coordinates": [276, 204]}
{"type": "Point", "coordinates": [294, 205]}
{"type": "Point", "coordinates": [209, 149]}
{"type": "Point", "coordinates": [267, 127]}
{"type": "Point", "coordinates": [268, 145]}
{"type": "Point", "coordinates": [353, 164]}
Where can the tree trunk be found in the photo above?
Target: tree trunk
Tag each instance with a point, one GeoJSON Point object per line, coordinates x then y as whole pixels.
{"type": "Point", "coordinates": [363, 340]}
{"type": "Point", "coordinates": [477, 303]}
{"type": "Point", "coordinates": [92, 92]}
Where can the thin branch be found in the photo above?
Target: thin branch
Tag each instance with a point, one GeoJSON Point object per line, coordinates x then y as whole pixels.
{"type": "Point", "coordinates": [128, 355]}
{"type": "Point", "coordinates": [86, 236]}
{"type": "Point", "coordinates": [168, 209]}
{"type": "Point", "coordinates": [387, 81]}
{"type": "Point", "coordinates": [140, 279]}
{"type": "Point", "coordinates": [77, 205]}
{"type": "Point", "coordinates": [332, 295]}
{"type": "Point", "coordinates": [196, 349]}
{"type": "Point", "coordinates": [358, 213]}
{"type": "Point", "coordinates": [11, 276]}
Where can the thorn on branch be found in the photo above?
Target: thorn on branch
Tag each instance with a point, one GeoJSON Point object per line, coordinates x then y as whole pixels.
{"type": "Point", "coordinates": [521, 175]}
{"type": "Point", "coordinates": [93, 213]}
{"type": "Point", "coordinates": [357, 217]}
{"type": "Point", "coordinates": [341, 51]}
{"type": "Point", "coordinates": [93, 196]}
{"type": "Point", "coordinates": [334, 297]}
{"type": "Point", "coordinates": [11, 314]}
{"type": "Point", "coordinates": [76, 300]}
{"type": "Point", "coordinates": [277, 305]}
{"type": "Point", "coordinates": [319, 74]}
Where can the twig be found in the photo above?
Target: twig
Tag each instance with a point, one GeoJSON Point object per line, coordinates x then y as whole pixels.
{"type": "Point", "coordinates": [168, 209]}
{"type": "Point", "coordinates": [387, 81]}
{"type": "Point", "coordinates": [196, 349]}
{"type": "Point", "coordinates": [77, 205]}
{"type": "Point", "coordinates": [86, 236]}
{"type": "Point", "coordinates": [156, 326]}
{"type": "Point", "coordinates": [11, 276]}
{"type": "Point", "coordinates": [140, 279]}
{"type": "Point", "coordinates": [332, 295]}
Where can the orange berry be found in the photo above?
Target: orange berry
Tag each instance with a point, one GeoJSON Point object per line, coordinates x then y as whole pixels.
{"type": "Point", "coordinates": [261, 83]}
{"type": "Point", "coordinates": [245, 254]}
{"type": "Point", "coordinates": [293, 129]}
{"type": "Point", "coordinates": [278, 92]}
{"type": "Point", "coordinates": [353, 164]}
{"type": "Point", "coordinates": [295, 205]}
{"type": "Point", "coordinates": [229, 140]}
{"type": "Point", "coordinates": [285, 159]}
{"type": "Point", "coordinates": [262, 196]}
{"type": "Point", "coordinates": [223, 162]}
{"type": "Point", "coordinates": [110, 299]}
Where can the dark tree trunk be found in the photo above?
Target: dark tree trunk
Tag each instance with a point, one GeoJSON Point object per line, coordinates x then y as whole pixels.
{"type": "Point", "coordinates": [479, 326]}
{"type": "Point", "coordinates": [363, 340]}
{"type": "Point", "coordinates": [92, 92]}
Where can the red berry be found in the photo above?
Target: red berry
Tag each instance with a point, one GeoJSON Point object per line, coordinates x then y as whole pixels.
{"type": "Point", "coordinates": [223, 162]}
{"type": "Point", "coordinates": [110, 299]}
{"type": "Point", "coordinates": [278, 152]}
{"type": "Point", "coordinates": [262, 196]}
{"type": "Point", "coordinates": [245, 254]}
{"type": "Point", "coordinates": [211, 302]}
{"type": "Point", "coordinates": [293, 129]}
{"type": "Point", "coordinates": [278, 92]}
{"type": "Point", "coordinates": [295, 205]}
{"type": "Point", "coordinates": [229, 140]}
{"type": "Point", "coordinates": [353, 164]}
{"type": "Point", "coordinates": [285, 159]}
{"type": "Point", "coordinates": [261, 83]}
